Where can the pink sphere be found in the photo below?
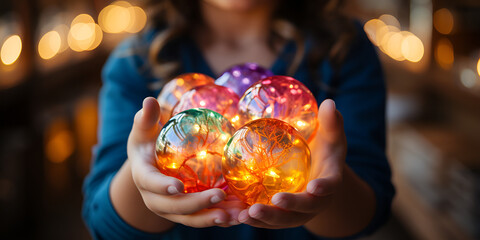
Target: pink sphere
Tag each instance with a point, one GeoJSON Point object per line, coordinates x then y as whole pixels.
{"type": "Point", "coordinates": [174, 90]}
{"type": "Point", "coordinates": [217, 98]}
{"type": "Point", "coordinates": [283, 98]}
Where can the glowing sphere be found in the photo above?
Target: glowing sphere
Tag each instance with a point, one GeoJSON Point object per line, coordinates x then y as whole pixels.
{"type": "Point", "coordinates": [240, 77]}
{"type": "Point", "coordinates": [175, 88]}
{"type": "Point", "coordinates": [283, 98]}
{"type": "Point", "coordinates": [265, 157]}
{"type": "Point", "coordinates": [217, 98]}
{"type": "Point", "coordinates": [190, 148]}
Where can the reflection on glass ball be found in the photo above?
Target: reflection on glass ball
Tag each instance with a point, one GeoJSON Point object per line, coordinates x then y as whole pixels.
{"type": "Point", "coordinates": [283, 98]}
{"type": "Point", "coordinates": [175, 88]}
{"type": "Point", "coordinates": [241, 77]}
{"type": "Point", "coordinates": [217, 98]}
{"type": "Point", "coordinates": [264, 157]}
{"type": "Point", "coordinates": [190, 148]}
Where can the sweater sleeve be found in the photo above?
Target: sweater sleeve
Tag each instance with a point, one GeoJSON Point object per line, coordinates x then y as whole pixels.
{"type": "Point", "coordinates": [121, 96]}
{"type": "Point", "coordinates": [360, 96]}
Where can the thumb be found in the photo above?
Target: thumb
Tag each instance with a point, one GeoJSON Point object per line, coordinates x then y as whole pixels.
{"type": "Point", "coordinates": [331, 122]}
{"type": "Point", "coordinates": [146, 123]}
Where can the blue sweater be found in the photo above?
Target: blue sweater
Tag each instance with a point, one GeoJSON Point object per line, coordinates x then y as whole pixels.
{"type": "Point", "coordinates": [358, 90]}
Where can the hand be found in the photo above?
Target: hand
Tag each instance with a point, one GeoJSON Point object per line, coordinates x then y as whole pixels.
{"type": "Point", "coordinates": [163, 195]}
{"type": "Point", "coordinates": [328, 152]}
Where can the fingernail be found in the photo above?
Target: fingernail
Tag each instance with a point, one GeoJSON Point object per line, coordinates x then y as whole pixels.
{"type": "Point", "coordinates": [233, 222]}
{"type": "Point", "coordinates": [243, 216]}
{"type": "Point", "coordinates": [139, 114]}
{"type": "Point", "coordinates": [218, 221]}
{"type": "Point", "coordinates": [331, 104]}
{"type": "Point", "coordinates": [277, 201]}
{"type": "Point", "coordinates": [317, 191]}
{"type": "Point", "coordinates": [215, 199]}
{"type": "Point", "coordinates": [257, 214]}
{"type": "Point", "coordinates": [172, 190]}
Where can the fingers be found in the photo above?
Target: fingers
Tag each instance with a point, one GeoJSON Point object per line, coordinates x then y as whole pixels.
{"type": "Point", "coordinates": [183, 204]}
{"type": "Point", "coordinates": [265, 216]}
{"type": "Point", "coordinates": [326, 185]}
{"type": "Point", "coordinates": [148, 178]}
{"type": "Point", "coordinates": [145, 127]}
{"type": "Point", "coordinates": [331, 121]}
{"type": "Point", "coordinates": [201, 219]}
{"type": "Point", "coordinates": [300, 202]}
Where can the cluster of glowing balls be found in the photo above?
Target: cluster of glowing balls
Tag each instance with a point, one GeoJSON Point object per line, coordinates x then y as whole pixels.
{"type": "Point", "coordinates": [283, 98]}
{"type": "Point", "coordinates": [175, 89]}
{"type": "Point", "coordinates": [217, 98]}
{"type": "Point", "coordinates": [190, 148]}
{"type": "Point", "coordinates": [269, 152]}
{"type": "Point", "coordinates": [240, 77]}
{"type": "Point", "coordinates": [264, 157]}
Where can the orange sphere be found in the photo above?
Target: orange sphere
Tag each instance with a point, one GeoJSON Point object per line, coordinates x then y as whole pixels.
{"type": "Point", "coordinates": [264, 157]}
{"type": "Point", "coordinates": [174, 90]}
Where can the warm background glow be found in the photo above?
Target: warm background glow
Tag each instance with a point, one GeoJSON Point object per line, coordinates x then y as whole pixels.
{"type": "Point", "coordinates": [11, 49]}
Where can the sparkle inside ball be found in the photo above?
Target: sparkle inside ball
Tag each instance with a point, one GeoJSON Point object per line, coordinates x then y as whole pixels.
{"type": "Point", "coordinates": [264, 157]}
{"type": "Point", "coordinates": [190, 148]}
{"type": "Point", "coordinates": [210, 96]}
{"type": "Point", "coordinates": [175, 88]}
{"type": "Point", "coordinates": [283, 98]}
{"type": "Point", "coordinates": [240, 77]}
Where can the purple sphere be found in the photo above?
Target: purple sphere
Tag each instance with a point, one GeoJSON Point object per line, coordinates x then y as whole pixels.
{"type": "Point", "coordinates": [240, 77]}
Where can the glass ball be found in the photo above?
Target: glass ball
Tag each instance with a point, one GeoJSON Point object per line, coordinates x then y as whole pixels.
{"type": "Point", "coordinates": [217, 98]}
{"type": "Point", "coordinates": [190, 147]}
{"type": "Point", "coordinates": [240, 77]}
{"type": "Point", "coordinates": [264, 157]}
{"type": "Point", "coordinates": [283, 98]}
{"type": "Point", "coordinates": [175, 88]}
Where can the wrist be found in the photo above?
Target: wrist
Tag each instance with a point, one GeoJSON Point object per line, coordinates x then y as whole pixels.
{"type": "Point", "coordinates": [129, 205]}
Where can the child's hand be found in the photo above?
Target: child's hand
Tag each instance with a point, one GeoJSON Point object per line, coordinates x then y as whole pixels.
{"type": "Point", "coordinates": [329, 148]}
{"type": "Point", "coordinates": [164, 195]}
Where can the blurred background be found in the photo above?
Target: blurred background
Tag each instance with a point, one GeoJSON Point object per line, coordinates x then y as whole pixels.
{"type": "Point", "coordinates": [52, 52]}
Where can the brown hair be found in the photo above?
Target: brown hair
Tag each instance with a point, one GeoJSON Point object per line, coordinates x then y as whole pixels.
{"type": "Point", "coordinates": [323, 20]}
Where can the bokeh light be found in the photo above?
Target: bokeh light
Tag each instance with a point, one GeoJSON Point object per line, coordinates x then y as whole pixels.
{"type": "Point", "coordinates": [478, 67]}
{"type": "Point", "coordinates": [412, 48]}
{"type": "Point", "coordinates": [443, 21]}
{"type": "Point", "coordinates": [121, 16]}
{"type": "Point", "coordinates": [385, 33]}
{"type": "Point", "coordinates": [49, 45]}
{"type": "Point", "coordinates": [389, 20]}
{"type": "Point", "coordinates": [84, 34]}
{"type": "Point", "coordinates": [444, 53]}
{"type": "Point", "coordinates": [59, 142]}
{"type": "Point", "coordinates": [468, 78]}
{"type": "Point", "coordinates": [11, 49]}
